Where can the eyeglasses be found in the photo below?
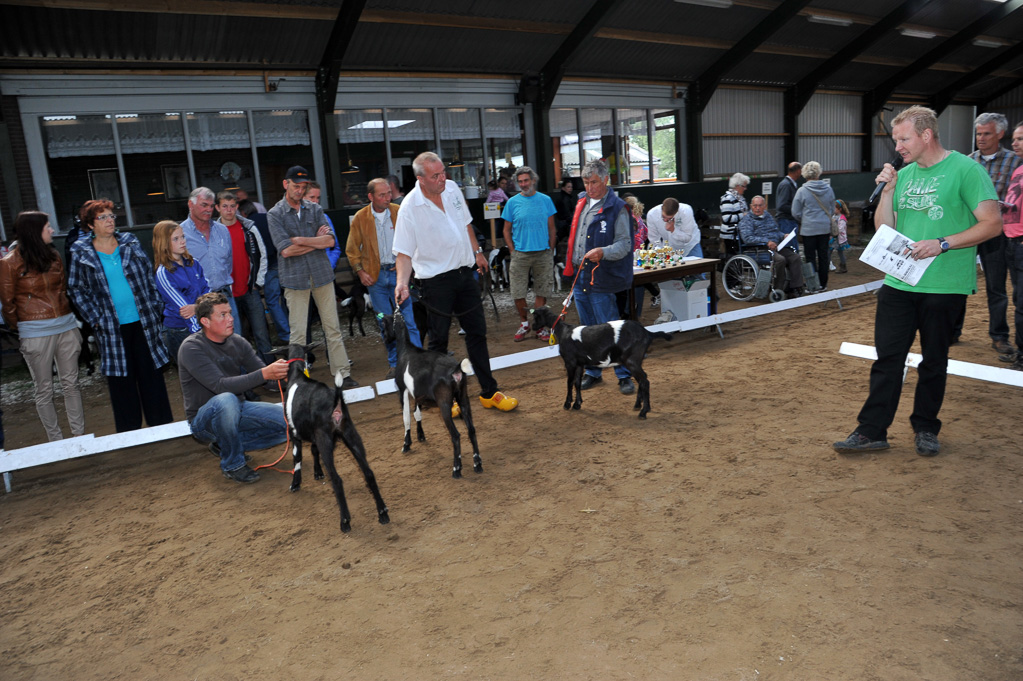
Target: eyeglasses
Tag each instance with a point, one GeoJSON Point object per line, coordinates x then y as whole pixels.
{"type": "Point", "coordinates": [667, 218]}
{"type": "Point", "coordinates": [108, 216]}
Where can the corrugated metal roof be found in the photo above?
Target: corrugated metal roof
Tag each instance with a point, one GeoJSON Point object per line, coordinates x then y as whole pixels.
{"type": "Point", "coordinates": [650, 40]}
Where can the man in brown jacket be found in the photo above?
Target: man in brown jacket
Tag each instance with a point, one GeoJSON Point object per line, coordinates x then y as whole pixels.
{"type": "Point", "coordinates": [369, 253]}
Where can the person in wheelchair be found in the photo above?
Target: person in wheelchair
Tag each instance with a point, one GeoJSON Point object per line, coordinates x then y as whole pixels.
{"type": "Point", "coordinates": [758, 230]}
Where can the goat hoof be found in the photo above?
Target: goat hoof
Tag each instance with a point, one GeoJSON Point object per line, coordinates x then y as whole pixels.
{"type": "Point", "coordinates": [421, 437]}
{"type": "Point", "coordinates": [456, 474]}
{"type": "Point", "coordinates": [384, 518]}
{"type": "Point", "coordinates": [405, 449]}
{"type": "Point", "coordinates": [477, 467]}
{"type": "Point", "coordinates": [568, 405]}
{"type": "Point", "coordinates": [294, 488]}
{"type": "Point", "coordinates": [577, 406]}
{"type": "Point", "coordinates": [642, 415]}
{"type": "Point", "coordinates": [346, 526]}
{"type": "Point", "coordinates": [318, 476]}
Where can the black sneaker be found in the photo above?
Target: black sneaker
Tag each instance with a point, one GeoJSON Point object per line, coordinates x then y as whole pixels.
{"type": "Point", "coordinates": [927, 444]}
{"type": "Point", "coordinates": [1017, 363]}
{"type": "Point", "coordinates": [349, 383]}
{"type": "Point", "coordinates": [859, 443]}
{"type": "Point", "coordinates": [243, 474]}
{"type": "Point", "coordinates": [626, 386]}
{"type": "Point", "coordinates": [590, 381]}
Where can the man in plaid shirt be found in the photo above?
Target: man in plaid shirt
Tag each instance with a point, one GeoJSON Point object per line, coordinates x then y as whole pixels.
{"type": "Point", "coordinates": [1000, 163]}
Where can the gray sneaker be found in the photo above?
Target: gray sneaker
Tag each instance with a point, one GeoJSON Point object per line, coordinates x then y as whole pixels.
{"type": "Point", "coordinates": [927, 444]}
{"type": "Point", "coordinates": [856, 443]}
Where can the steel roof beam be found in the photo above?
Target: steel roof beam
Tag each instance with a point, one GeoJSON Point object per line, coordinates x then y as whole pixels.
{"type": "Point", "coordinates": [945, 97]}
{"type": "Point", "coordinates": [327, 75]}
{"type": "Point", "coordinates": [876, 98]}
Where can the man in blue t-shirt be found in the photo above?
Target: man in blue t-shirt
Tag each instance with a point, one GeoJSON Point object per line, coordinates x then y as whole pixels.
{"type": "Point", "coordinates": [530, 234]}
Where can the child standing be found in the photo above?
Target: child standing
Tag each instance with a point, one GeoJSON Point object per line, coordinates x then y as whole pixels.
{"type": "Point", "coordinates": [841, 242]}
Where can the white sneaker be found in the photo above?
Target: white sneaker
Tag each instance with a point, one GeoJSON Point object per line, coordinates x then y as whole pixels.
{"type": "Point", "coordinates": [666, 316]}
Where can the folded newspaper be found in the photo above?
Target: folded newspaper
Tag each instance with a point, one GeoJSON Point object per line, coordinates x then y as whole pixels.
{"type": "Point", "coordinates": [888, 251]}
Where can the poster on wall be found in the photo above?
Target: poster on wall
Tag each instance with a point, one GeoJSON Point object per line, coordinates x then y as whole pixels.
{"type": "Point", "coordinates": [176, 184]}
{"type": "Point", "coordinates": [105, 183]}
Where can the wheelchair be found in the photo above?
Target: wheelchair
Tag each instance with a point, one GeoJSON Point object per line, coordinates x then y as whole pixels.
{"type": "Point", "coordinates": [747, 274]}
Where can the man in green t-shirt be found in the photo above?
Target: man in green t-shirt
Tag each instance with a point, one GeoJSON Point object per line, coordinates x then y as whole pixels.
{"type": "Point", "coordinates": [946, 204]}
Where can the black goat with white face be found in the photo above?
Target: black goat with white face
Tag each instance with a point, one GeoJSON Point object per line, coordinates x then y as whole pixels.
{"type": "Point", "coordinates": [320, 416]}
{"type": "Point", "coordinates": [425, 376]}
{"type": "Point", "coordinates": [601, 345]}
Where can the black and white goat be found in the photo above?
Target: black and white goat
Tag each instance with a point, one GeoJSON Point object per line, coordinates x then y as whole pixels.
{"type": "Point", "coordinates": [356, 301]}
{"type": "Point", "coordinates": [319, 416]}
{"type": "Point", "coordinates": [425, 376]}
{"type": "Point", "coordinates": [603, 345]}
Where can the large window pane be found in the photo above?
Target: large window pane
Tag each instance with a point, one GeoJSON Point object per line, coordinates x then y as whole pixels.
{"type": "Point", "coordinates": [221, 151]}
{"type": "Point", "coordinates": [633, 147]}
{"type": "Point", "coordinates": [506, 139]}
{"type": "Point", "coordinates": [360, 136]}
{"type": "Point", "coordinates": [460, 145]}
{"type": "Point", "coordinates": [598, 136]}
{"type": "Point", "coordinates": [565, 139]}
{"type": "Point", "coordinates": [282, 141]}
{"type": "Point", "coordinates": [411, 133]}
{"type": "Point", "coordinates": [82, 165]}
{"type": "Point", "coordinates": [155, 165]}
{"type": "Point", "coordinates": [665, 165]}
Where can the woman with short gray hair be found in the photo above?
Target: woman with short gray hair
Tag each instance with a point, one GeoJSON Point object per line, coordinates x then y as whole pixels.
{"type": "Point", "coordinates": [812, 207]}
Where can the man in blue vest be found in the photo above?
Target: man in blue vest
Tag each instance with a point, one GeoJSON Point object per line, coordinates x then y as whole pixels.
{"type": "Point", "coordinates": [600, 244]}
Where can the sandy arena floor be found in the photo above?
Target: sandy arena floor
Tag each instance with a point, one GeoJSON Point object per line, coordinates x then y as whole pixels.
{"type": "Point", "coordinates": [720, 539]}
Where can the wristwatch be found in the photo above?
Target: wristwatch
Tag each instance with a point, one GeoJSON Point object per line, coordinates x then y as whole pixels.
{"type": "Point", "coordinates": [944, 244]}
{"type": "Point", "coordinates": [479, 250]}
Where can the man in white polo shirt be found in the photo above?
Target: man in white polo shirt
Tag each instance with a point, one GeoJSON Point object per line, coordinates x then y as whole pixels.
{"type": "Point", "coordinates": [435, 237]}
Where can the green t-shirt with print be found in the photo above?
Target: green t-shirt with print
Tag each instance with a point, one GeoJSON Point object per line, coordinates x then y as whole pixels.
{"type": "Point", "coordinates": [939, 201]}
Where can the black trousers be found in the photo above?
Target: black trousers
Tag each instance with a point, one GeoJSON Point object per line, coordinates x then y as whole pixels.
{"type": "Point", "coordinates": [456, 293]}
{"type": "Point", "coordinates": [900, 314]}
{"type": "Point", "coordinates": [816, 249]}
{"type": "Point", "coordinates": [143, 390]}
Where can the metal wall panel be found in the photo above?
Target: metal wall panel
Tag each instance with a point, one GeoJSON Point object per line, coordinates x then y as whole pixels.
{"type": "Point", "coordinates": [835, 154]}
{"type": "Point", "coordinates": [742, 113]}
{"type": "Point", "coordinates": [1010, 104]}
{"type": "Point", "coordinates": [831, 115]}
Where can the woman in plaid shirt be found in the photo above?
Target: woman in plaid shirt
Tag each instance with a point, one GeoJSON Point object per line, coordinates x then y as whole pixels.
{"type": "Point", "coordinates": [112, 284]}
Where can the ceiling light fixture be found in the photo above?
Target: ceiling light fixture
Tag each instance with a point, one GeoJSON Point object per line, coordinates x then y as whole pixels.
{"type": "Point", "coordinates": [981, 42]}
{"type": "Point", "coordinates": [719, 4]}
{"type": "Point", "coordinates": [829, 21]}
{"type": "Point", "coordinates": [914, 33]}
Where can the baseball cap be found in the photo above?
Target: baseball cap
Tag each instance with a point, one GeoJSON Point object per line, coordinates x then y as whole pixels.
{"type": "Point", "coordinates": [298, 174]}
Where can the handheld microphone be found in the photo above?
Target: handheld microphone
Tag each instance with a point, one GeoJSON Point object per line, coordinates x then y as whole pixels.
{"type": "Point", "coordinates": [897, 163]}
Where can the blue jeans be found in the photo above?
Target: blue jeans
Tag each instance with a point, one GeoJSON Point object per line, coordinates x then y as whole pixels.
{"type": "Point", "coordinates": [597, 308]}
{"type": "Point", "coordinates": [381, 294]}
{"type": "Point", "coordinates": [173, 338]}
{"type": "Point", "coordinates": [251, 304]}
{"type": "Point", "coordinates": [1014, 263]}
{"type": "Point", "coordinates": [275, 303]}
{"type": "Point", "coordinates": [238, 426]}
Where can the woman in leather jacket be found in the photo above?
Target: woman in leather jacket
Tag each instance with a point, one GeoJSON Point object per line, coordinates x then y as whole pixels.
{"type": "Point", "coordinates": [33, 291]}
